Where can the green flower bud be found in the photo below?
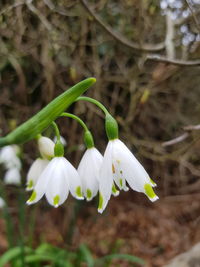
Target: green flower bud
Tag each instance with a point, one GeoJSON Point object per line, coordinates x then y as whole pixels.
{"type": "Point", "coordinates": [111, 127]}
{"type": "Point", "coordinates": [88, 139]}
{"type": "Point", "coordinates": [59, 149]}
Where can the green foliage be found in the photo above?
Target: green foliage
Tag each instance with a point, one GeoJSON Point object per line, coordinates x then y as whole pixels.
{"type": "Point", "coordinates": [48, 255]}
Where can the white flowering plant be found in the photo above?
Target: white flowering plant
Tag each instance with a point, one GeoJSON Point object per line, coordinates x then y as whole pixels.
{"type": "Point", "coordinates": [53, 176]}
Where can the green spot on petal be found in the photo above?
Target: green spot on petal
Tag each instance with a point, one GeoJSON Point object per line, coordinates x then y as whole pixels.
{"type": "Point", "coordinates": [56, 200]}
{"type": "Point", "coordinates": [33, 197]}
{"type": "Point", "coordinates": [79, 192]}
{"type": "Point", "coordinates": [153, 183]}
{"type": "Point", "coordinates": [115, 191]}
{"type": "Point", "coordinates": [100, 207]}
{"type": "Point", "coordinates": [89, 194]}
{"type": "Point", "coordinates": [121, 182]}
{"type": "Point", "coordinates": [149, 191]}
{"type": "Point", "coordinates": [30, 184]}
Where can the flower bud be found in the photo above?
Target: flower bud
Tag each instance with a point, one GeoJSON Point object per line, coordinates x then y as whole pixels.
{"type": "Point", "coordinates": [46, 147]}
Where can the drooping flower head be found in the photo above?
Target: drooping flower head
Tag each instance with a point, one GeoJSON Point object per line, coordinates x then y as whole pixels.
{"type": "Point", "coordinates": [120, 166]}
{"type": "Point", "coordinates": [88, 170]}
{"type": "Point", "coordinates": [57, 179]}
{"type": "Point", "coordinates": [9, 157]}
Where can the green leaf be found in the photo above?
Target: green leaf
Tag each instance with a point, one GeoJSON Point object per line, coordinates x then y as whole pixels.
{"type": "Point", "coordinates": [86, 255]}
{"type": "Point", "coordinates": [12, 254]}
{"type": "Point", "coordinates": [39, 122]}
{"type": "Point", "coordinates": [126, 257]}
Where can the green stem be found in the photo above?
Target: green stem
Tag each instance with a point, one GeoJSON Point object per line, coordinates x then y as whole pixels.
{"type": "Point", "coordinates": [110, 123]}
{"type": "Point", "coordinates": [94, 101]}
{"type": "Point", "coordinates": [88, 138]}
{"type": "Point", "coordinates": [74, 117]}
{"type": "Point", "coordinates": [57, 132]}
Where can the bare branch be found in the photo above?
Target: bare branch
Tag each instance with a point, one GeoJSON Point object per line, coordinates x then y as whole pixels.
{"type": "Point", "coordinates": [120, 38]}
{"type": "Point", "coordinates": [7, 9]}
{"type": "Point", "coordinates": [182, 137]}
{"type": "Point", "coordinates": [192, 127]}
{"type": "Point", "coordinates": [155, 57]}
{"type": "Point", "coordinates": [33, 9]}
{"type": "Point", "coordinates": [176, 140]}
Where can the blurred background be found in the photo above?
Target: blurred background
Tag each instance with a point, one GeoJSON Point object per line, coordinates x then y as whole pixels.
{"type": "Point", "coordinates": [145, 56]}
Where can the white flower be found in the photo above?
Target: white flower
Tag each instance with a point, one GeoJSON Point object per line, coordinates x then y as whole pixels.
{"type": "Point", "coordinates": [12, 176]}
{"type": "Point", "coordinates": [46, 147]}
{"type": "Point", "coordinates": [9, 158]}
{"type": "Point", "coordinates": [120, 165]}
{"type": "Point", "coordinates": [34, 172]}
{"type": "Point", "coordinates": [57, 179]}
{"type": "Point", "coordinates": [2, 203]}
{"type": "Point", "coordinates": [88, 170]}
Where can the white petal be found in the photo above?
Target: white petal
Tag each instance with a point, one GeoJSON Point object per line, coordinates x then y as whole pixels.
{"type": "Point", "coordinates": [58, 186]}
{"type": "Point", "coordinates": [131, 169]}
{"type": "Point", "coordinates": [8, 157]}
{"type": "Point", "coordinates": [46, 147]}
{"type": "Point", "coordinates": [35, 171]}
{"type": "Point", "coordinates": [72, 176]}
{"type": "Point", "coordinates": [12, 176]}
{"type": "Point", "coordinates": [106, 178]}
{"type": "Point", "coordinates": [7, 153]}
{"type": "Point", "coordinates": [88, 170]}
{"type": "Point", "coordinates": [41, 185]}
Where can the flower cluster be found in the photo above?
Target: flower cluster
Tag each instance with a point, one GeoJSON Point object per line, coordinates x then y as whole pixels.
{"type": "Point", "coordinates": [54, 176]}
{"type": "Point", "coordinates": [9, 158]}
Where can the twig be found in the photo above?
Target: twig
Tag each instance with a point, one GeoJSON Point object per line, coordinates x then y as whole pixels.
{"type": "Point", "coordinates": [120, 38]}
{"type": "Point", "coordinates": [194, 16]}
{"type": "Point", "coordinates": [192, 127]}
{"type": "Point", "coordinates": [179, 62]}
{"type": "Point", "coordinates": [33, 9]}
{"type": "Point", "coordinates": [169, 40]}
{"type": "Point", "coordinates": [176, 140]}
{"type": "Point", "coordinates": [182, 20]}
{"type": "Point", "coordinates": [11, 7]}
{"type": "Point", "coordinates": [182, 137]}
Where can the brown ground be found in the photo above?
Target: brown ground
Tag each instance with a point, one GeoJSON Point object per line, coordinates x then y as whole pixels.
{"type": "Point", "coordinates": [155, 232]}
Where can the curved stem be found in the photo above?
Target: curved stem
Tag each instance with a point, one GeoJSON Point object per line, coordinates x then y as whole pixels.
{"type": "Point", "coordinates": [69, 115]}
{"type": "Point", "coordinates": [57, 132]}
{"type": "Point", "coordinates": [94, 101]}
{"type": "Point", "coordinates": [88, 138]}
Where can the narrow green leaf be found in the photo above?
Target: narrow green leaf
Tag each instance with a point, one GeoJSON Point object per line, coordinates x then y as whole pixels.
{"type": "Point", "coordinates": [39, 122]}
{"type": "Point", "coordinates": [86, 255]}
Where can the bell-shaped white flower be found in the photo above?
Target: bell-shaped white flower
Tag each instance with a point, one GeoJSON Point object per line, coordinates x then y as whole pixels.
{"type": "Point", "coordinates": [9, 158]}
{"type": "Point", "coordinates": [12, 176]}
{"type": "Point", "coordinates": [58, 178]}
{"type": "Point", "coordinates": [88, 170]}
{"type": "Point", "coordinates": [34, 172]}
{"type": "Point", "coordinates": [121, 166]}
{"type": "Point", "coordinates": [46, 147]}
